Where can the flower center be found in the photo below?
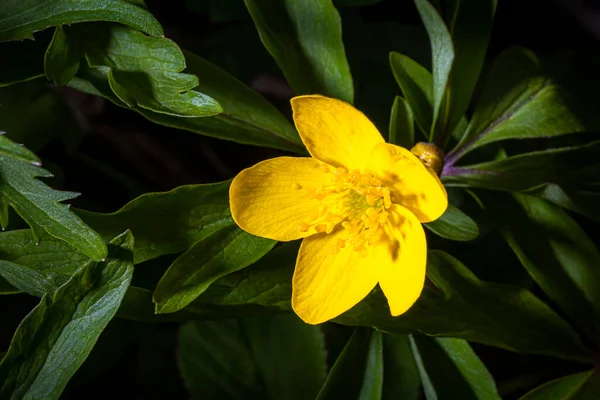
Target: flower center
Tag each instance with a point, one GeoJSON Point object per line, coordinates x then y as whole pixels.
{"type": "Point", "coordinates": [358, 201]}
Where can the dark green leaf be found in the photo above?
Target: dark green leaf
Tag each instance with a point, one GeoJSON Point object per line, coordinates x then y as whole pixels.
{"type": "Point", "coordinates": [470, 27]}
{"type": "Point", "coordinates": [518, 101]}
{"type": "Point", "coordinates": [459, 305]}
{"type": "Point", "coordinates": [20, 19]}
{"type": "Point", "coordinates": [212, 257]}
{"type": "Point", "coordinates": [289, 354]}
{"type": "Point", "coordinates": [556, 252]}
{"type": "Point", "coordinates": [442, 54]}
{"type": "Point", "coordinates": [354, 3]}
{"type": "Point", "coordinates": [582, 199]}
{"type": "Point", "coordinates": [401, 376]}
{"type": "Point", "coordinates": [170, 222]}
{"type": "Point", "coordinates": [53, 259]}
{"type": "Point", "coordinates": [246, 118]}
{"type": "Point", "coordinates": [143, 71]}
{"type": "Point", "coordinates": [454, 225]}
{"type": "Point", "coordinates": [580, 386]}
{"type": "Point", "coordinates": [137, 305]}
{"type": "Point", "coordinates": [305, 39]}
{"type": "Point", "coordinates": [402, 125]}
{"type": "Point", "coordinates": [62, 58]}
{"type": "Point", "coordinates": [277, 357]}
{"type": "Point", "coordinates": [57, 336]}
{"type": "Point", "coordinates": [566, 164]}
{"type": "Point", "coordinates": [358, 371]}
{"type": "Point", "coordinates": [18, 151]}
{"type": "Point", "coordinates": [26, 279]}
{"type": "Point", "coordinates": [451, 366]}
{"type": "Point", "coordinates": [40, 206]}
{"type": "Point", "coordinates": [417, 86]}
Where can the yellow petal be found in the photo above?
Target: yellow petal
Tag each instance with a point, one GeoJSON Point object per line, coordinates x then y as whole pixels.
{"type": "Point", "coordinates": [269, 199]}
{"type": "Point", "coordinates": [328, 282]}
{"type": "Point", "coordinates": [335, 132]}
{"type": "Point", "coordinates": [402, 279]}
{"type": "Point", "coordinates": [412, 185]}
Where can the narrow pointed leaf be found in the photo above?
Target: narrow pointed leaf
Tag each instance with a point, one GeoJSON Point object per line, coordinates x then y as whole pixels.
{"type": "Point", "coordinates": [582, 199]}
{"type": "Point", "coordinates": [518, 100]}
{"type": "Point", "coordinates": [562, 165]}
{"type": "Point", "coordinates": [470, 28]}
{"type": "Point", "coordinates": [556, 252]}
{"type": "Point", "coordinates": [416, 84]}
{"type": "Point", "coordinates": [454, 225]}
{"type": "Point", "coordinates": [581, 386]}
{"type": "Point", "coordinates": [401, 376]}
{"type": "Point", "coordinates": [19, 19]}
{"type": "Point", "coordinates": [62, 59]}
{"type": "Point", "coordinates": [442, 55]}
{"type": "Point", "coordinates": [402, 124]}
{"type": "Point", "coordinates": [358, 371]}
{"type": "Point", "coordinates": [451, 366]}
{"type": "Point", "coordinates": [305, 39]}
{"type": "Point", "coordinates": [57, 336]}
{"type": "Point", "coordinates": [27, 279]}
{"type": "Point", "coordinates": [216, 255]}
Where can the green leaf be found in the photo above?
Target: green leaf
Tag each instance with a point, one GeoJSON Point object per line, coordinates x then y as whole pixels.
{"type": "Point", "coordinates": [305, 39]}
{"type": "Point", "coordinates": [289, 354]}
{"type": "Point", "coordinates": [442, 54]}
{"type": "Point", "coordinates": [580, 386]}
{"type": "Point", "coordinates": [17, 151]}
{"type": "Point", "coordinates": [246, 118]}
{"type": "Point", "coordinates": [277, 357]}
{"type": "Point", "coordinates": [457, 305]}
{"type": "Point", "coordinates": [358, 371]}
{"type": "Point", "coordinates": [214, 256]}
{"type": "Point", "coordinates": [62, 59]}
{"type": "Point", "coordinates": [51, 258]}
{"type": "Point", "coordinates": [451, 366]}
{"type": "Point", "coordinates": [20, 19]}
{"type": "Point", "coordinates": [137, 306]}
{"type": "Point", "coordinates": [170, 222]}
{"type": "Point", "coordinates": [26, 279]}
{"type": "Point", "coordinates": [56, 337]}
{"type": "Point", "coordinates": [40, 206]}
{"type": "Point", "coordinates": [454, 225]}
{"type": "Point", "coordinates": [518, 100]}
{"type": "Point", "coordinates": [401, 379]}
{"type": "Point", "coordinates": [417, 86]}
{"type": "Point", "coordinates": [144, 72]}
{"type": "Point", "coordinates": [566, 164]}
{"type": "Point", "coordinates": [402, 125]}
{"type": "Point", "coordinates": [470, 27]}
{"type": "Point", "coordinates": [556, 252]}
{"type": "Point", "coordinates": [582, 199]}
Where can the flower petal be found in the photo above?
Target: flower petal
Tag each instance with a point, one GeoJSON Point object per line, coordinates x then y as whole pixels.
{"type": "Point", "coordinates": [402, 279]}
{"type": "Point", "coordinates": [335, 132]}
{"type": "Point", "coordinates": [267, 200]}
{"type": "Point", "coordinates": [328, 282]}
{"type": "Point", "coordinates": [411, 183]}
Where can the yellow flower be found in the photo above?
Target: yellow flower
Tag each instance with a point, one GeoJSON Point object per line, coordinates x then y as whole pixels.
{"type": "Point", "coordinates": [358, 203]}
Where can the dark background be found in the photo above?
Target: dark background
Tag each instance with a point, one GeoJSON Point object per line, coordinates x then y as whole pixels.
{"type": "Point", "coordinates": [119, 155]}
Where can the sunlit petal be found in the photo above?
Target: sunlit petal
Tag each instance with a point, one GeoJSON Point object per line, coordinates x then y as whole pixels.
{"type": "Point", "coordinates": [403, 276]}
{"type": "Point", "coordinates": [335, 132]}
{"type": "Point", "coordinates": [412, 185]}
{"type": "Point", "coordinates": [329, 280]}
{"type": "Point", "coordinates": [269, 199]}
